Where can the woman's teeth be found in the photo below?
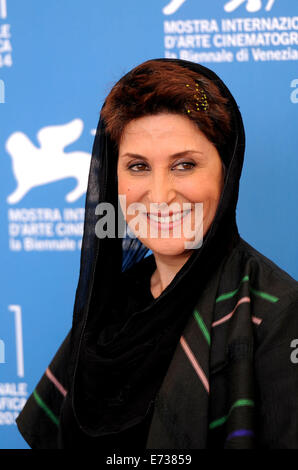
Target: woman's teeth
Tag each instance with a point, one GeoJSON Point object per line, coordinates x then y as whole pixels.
{"type": "Point", "coordinates": [168, 219]}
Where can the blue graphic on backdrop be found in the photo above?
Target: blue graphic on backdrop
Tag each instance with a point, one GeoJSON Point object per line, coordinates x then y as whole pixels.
{"type": "Point", "coordinates": [251, 5]}
{"type": "Point", "coordinates": [54, 76]}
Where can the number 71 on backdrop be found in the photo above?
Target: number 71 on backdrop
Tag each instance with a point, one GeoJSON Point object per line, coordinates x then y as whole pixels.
{"type": "Point", "coordinates": [16, 310]}
{"type": "Point", "coordinates": [3, 9]}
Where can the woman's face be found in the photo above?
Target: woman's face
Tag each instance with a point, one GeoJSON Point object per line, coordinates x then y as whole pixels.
{"type": "Point", "coordinates": [166, 160]}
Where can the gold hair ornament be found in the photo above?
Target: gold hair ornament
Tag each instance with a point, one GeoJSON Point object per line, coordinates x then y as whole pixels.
{"type": "Point", "coordinates": [201, 101]}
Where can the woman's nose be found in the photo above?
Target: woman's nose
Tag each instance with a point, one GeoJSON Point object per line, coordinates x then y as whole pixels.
{"type": "Point", "coordinates": [161, 187]}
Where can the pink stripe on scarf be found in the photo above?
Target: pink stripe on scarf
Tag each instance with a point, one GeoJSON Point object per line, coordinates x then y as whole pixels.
{"type": "Point", "coordinates": [229, 315]}
{"type": "Point", "coordinates": [195, 363]}
{"type": "Point", "coordinates": [57, 384]}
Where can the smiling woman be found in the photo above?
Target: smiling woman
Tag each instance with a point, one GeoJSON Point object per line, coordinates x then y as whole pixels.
{"type": "Point", "coordinates": [173, 345]}
{"type": "Point", "coordinates": [169, 125]}
{"type": "Point", "coordinates": [166, 163]}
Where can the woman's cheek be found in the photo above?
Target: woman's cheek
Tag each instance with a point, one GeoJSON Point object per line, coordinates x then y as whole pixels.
{"type": "Point", "coordinates": [135, 191]}
{"type": "Point", "coordinates": [194, 191]}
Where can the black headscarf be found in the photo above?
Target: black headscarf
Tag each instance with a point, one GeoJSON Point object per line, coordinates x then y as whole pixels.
{"type": "Point", "coordinates": [118, 363]}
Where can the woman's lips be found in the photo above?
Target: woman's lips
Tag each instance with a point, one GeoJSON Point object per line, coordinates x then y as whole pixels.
{"type": "Point", "coordinates": [166, 221]}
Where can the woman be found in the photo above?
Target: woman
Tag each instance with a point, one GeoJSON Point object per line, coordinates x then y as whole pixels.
{"type": "Point", "coordinates": [188, 347]}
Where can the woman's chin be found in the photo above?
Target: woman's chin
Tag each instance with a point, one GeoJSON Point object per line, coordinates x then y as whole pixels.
{"type": "Point", "coordinates": [167, 247]}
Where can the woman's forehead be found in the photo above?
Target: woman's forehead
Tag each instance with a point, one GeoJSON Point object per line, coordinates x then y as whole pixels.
{"type": "Point", "coordinates": [163, 134]}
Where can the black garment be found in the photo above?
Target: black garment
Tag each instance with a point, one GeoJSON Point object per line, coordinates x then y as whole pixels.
{"type": "Point", "coordinates": [134, 361]}
{"type": "Point", "coordinates": [135, 437]}
{"type": "Point", "coordinates": [135, 294]}
{"type": "Point", "coordinates": [205, 353]}
{"type": "Point", "coordinates": [239, 336]}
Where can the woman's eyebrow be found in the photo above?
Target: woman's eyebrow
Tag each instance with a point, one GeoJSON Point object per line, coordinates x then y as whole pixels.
{"type": "Point", "coordinates": [184, 153]}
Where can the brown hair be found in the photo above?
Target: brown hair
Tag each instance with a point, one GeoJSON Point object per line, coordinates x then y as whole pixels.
{"type": "Point", "coordinates": [156, 86]}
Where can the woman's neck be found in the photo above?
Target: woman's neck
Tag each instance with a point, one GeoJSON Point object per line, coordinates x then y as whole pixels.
{"type": "Point", "coordinates": [166, 269]}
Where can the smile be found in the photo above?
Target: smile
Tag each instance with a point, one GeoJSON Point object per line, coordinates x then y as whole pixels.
{"type": "Point", "coordinates": [167, 220]}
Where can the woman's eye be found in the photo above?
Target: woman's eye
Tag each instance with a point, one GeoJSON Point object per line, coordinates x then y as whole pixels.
{"type": "Point", "coordinates": [185, 166]}
{"type": "Point", "coordinates": [182, 166]}
{"type": "Point", "coordinates": [137, 167]}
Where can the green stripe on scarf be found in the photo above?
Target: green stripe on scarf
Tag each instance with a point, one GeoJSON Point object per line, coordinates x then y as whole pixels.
{"type": "Point", "coordinates": [222, 420]}
{"type": "Point", "coordinates": [47, 410]}
{"type": "Point", "coordinates": [264, 295]}
{"type": "Point", "coordinates": [202, 326]}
